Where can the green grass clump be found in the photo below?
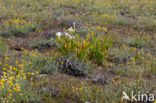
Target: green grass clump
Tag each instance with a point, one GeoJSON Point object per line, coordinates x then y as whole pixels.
{"type": "Point", "coordinates": [2, 46]}
{"type": "Point", "coordinates": [17, 27]}
{"type": "Point", "coordinates": [35, 61]}
{"type": "Point", "coordinates": [136, 42]}
{"type": "Point", "coordinates": [42, 44]}
{"type": "Point", "coordinates": [89, 47]}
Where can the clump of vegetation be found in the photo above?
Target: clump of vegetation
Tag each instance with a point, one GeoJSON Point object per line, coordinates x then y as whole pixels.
{"type": "Point", "coordinates": [136, 42]}
{"type": "Point", "coordinates": [17, 26]}
{"type": "Point", "coordinates": [73, 66]}
{"type": "Point", "coordinates": [89, 47]}
{"type": "Point", "coordinates": [118, 36]}
{"type": "Point", "coordinates": [35, 61]}
{"type": "Point", "coordinates": [3, 46]}
{"type": "Point", "coordinates": [43, 44]}
{"type": "Point", "coordinates": [14, 81]}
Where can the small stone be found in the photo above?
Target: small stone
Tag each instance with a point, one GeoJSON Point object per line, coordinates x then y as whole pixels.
{"type": "Point", "coordinates": [100, 68]}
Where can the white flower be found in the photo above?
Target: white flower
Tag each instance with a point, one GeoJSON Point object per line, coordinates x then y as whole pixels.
{"type": "Point", "coordinates": [59, 34]}
{"type": "Point", "coordinates": [70, 29]}
{"type": "Point", "coordinates": [67, 34]}
{"type": "Point", "coordinates": [71, 37]}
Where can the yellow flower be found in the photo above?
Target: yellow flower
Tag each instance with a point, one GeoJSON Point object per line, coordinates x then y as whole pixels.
{"type": "Point", "coordinates": [17, 84]}
{"type": "Point", "coordinates": [4, 73]}
{"type": "Point", "coordinates": [10, 66]}
{"type": "Point", "coordinates": [16, 62]}
{"type": "Point", "coordinates": [6, 58]}
{"type": "Point", "coordinates": [30, 63]}
{"type": "Point", "coordinates": [104, 15]}
{"type": "Point", "coordinates": [73, 87]}
{"type": "Point", "coordinates": [17, 76]}
{"type": "Point", "coordinates": [23, 60]}
{"type": "Point", "coordinates": [37, 72]}
{"type": "Point", "coordinates": [80, 89]}
{"type": "Point", "coordinates": [4, 69]}
{"type": "Point", "coordinates": [29, 73]}
{"type": "Point", "coordinates": [105, 29]}
{"type": "Point", "coordinates": [21, 71]}
{"type": "Point", "coordinates": [11, 78]}
{"type": "Point", "coordinates": [132, 59]}
{"type": "Point", "coordinates": [17, 89]}
{"type": "Point", "coordinates": [23, 74]}
{"type": "Point", "coordinates": [61, 62]}
{"type": "Point", "coordinates": [9, 90]}
{"type": "Point", "coordinates": [14, 69]}
{"type": "Point", "coordinates": [139, 52]}
{"type": "Point", "coordinates": [10, 82]}
{"type": "Point", "coordinates": [1, 83]}
{"type": "Point", "coordinates": [2, 87]}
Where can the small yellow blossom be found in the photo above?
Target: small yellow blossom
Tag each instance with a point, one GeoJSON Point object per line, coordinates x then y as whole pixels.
{"type": "Point", "coordinates": [37, 72]}
{"type": "Point", "coordinates": [1, 83]}
{"type": "Point", "coordinates": [132, 59]}
{"type": "Point", "coordinates": [9, 90]}
{"type": "Point", "coordinates": [4, 73]}
{"type": "Point", "coordinates": [80, 89]}
{"type": "Point", "coordinates": [4, 69]}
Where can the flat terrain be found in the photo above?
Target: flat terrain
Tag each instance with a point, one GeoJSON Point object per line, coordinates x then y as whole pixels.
{"type": "Point", "coordinates": [77, 51]}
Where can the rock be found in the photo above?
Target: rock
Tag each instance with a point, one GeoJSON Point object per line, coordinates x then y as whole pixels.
{"type": "Point", "coordinates": [66, 23]}
{"type": "Point", "coordinates": [100, 68]}
{"type": "Point", "coordinates": [43, 75]}
{"type": "Point", "coordinates": [70, 67]}
{"type": "Point", "coordinates": [100, 79]}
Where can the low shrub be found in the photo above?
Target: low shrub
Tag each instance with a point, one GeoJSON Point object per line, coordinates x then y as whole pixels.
{"type": "Point", "coordinates": [92, 46]}
{"type": "Point", "coordinates": [17, 27]}
{"type": "Point", "coordinates": [15, 83]}
{"type": "Point", "coordinates": [35, 61]}
{"type": "Point", "coordinates": [43, 44]}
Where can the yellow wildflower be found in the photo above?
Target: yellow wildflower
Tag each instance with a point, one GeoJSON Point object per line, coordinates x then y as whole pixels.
{"type": "Point", "coordinates": [4, 73]}
{"type": "Point", "coordinates": [80, 89]}
{"type": "Point", "coordinates": [10, 66]}
{"type": "Point", "coordinates": [37, 72]}
{"type": "Point", "coordinates": [10, 82]}
{"type": "Point", "coordinates": [132, 59]}
{"type": "Point", "coordinates": [11, 78]}
{"type": "Point", "coordinates": [1, 83]}
{"type": "Point", "coordinates": [9, 90]}
{"type": "Point", "coordinates": [4, 69]}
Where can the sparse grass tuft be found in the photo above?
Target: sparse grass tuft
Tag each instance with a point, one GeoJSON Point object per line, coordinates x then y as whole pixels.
{"type": "Point", "coordinates": [17, 27]}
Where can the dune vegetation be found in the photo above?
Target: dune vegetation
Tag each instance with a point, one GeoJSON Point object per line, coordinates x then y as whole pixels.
{"type": "Point", "coordinates": [77, 51]}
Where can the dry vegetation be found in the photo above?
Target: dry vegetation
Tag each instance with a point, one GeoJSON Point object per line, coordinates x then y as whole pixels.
{"type": "Point", "coordinates": [111, 48]}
